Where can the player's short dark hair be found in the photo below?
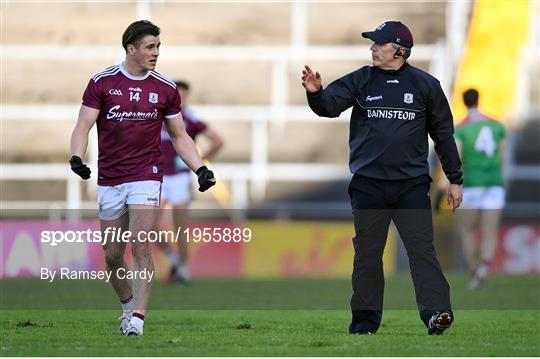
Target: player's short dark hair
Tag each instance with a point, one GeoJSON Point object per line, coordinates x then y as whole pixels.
{"type": "Point", "coordinates": [470, 98]}
{"type": "Point", "coordinates": [136, 31]}
{"type": "Point", "coordinates": [184, 85]}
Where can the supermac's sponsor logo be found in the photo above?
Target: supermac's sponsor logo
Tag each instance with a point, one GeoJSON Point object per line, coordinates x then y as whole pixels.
{"type": "Point", "coordinates": [116, 114]}
{"type": "Point", "coordinates": [394, 81]}
{"type": "Point", "coordinates": [374, 98]}
{"type": "Point", "coordinates": [391, 114]}
{"type": "Point", "coordinates": [135, 89]}
{"type": "Point", "coordinates": [115, 92]}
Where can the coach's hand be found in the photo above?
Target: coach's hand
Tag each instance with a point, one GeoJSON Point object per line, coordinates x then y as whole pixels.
{"type": "Point", "coordinates": [206, 178]}
{"type": "Point", "coordinates": [79, 167]}
{"type": "Point", "coordinates": [455, 195]}
{"type": "Point", "coordinates": [311, 81]}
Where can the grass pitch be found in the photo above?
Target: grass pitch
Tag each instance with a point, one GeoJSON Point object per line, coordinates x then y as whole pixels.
{"type": "Point", "coordinates": [267, 318]}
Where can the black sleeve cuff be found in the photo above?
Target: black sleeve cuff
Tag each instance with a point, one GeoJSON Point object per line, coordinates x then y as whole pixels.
{"type": "Point", "coordinates": [456, 179]}
{"type": "Point", "coordinates": [316, 93]}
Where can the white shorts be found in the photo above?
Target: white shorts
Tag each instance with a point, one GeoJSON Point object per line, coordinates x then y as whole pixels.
{"type": "Point", "coordinates": [113, 201]}
{"type": "Point", "coordinates": [483, 198]}
{"type": "Point", "coordinates": [177, 188]}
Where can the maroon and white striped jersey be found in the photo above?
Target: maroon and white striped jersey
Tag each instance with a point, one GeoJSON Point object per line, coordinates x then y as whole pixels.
{"type": "Point", "coordinates": [131, 113]}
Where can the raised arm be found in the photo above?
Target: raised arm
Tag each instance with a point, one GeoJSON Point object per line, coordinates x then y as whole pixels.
{"type": "Point", "coordinates": [334, 99]}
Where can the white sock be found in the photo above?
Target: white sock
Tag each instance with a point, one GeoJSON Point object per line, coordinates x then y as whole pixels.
{"type": "Point", "coordinates": [482, 270]}
{"type": "Point", "coordinates": [184, 271]}
{"type": "Point", "coordinates": [137, 323]}
{"type": "Point", "coordinates": [172, 257]}
{"type": "Point", "coordinates": [127, 307]}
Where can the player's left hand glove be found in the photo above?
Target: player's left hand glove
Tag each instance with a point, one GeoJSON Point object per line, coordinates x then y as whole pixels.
{"type": "Point", "coordinates": [206, 178]}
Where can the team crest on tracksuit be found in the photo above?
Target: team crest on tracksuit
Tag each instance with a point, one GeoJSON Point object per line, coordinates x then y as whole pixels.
{"type": "Point", "coordinates": [408, 97]}
{"type": "Point", "coordinates": [153, 97]}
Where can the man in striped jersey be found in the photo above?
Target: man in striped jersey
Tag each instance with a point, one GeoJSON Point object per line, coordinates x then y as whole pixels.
{"type": "Point", "coordinates": [129, 103]}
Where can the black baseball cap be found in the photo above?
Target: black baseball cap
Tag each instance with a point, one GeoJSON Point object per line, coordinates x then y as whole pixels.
{"type": "Point", "coordinates": [391, 31]}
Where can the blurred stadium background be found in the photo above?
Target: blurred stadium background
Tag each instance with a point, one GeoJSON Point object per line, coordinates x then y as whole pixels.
{"type": "Point", "coordinates": [284, 170]}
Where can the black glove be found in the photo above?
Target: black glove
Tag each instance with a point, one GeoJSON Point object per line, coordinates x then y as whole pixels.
{"type": "Point", "coordinates": [206, 178]}
{"type": "Point", "coordinates": [79, 168]}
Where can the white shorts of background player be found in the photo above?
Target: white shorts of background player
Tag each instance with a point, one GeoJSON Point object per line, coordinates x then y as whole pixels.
{"type": "Point", "coordinates": [113, 201]}
{"type": "Point", "coordinates": [177, 188]}
{"type": "Point", "coordinates": [483, 198]}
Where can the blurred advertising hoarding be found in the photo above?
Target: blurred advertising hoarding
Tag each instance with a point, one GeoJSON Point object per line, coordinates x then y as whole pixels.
{"type": "Point", "coordinates": [276, 249]}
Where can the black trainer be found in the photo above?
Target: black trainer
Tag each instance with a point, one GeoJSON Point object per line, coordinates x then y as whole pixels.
{"type": "Point", "coordinates": [353, 329]}
{"type": "Point", "coordinates": [363, 332]}
{"type": "Point", "coordinates": [439, 322]}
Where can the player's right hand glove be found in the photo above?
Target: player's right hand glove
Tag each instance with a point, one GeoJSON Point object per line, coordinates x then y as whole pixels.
{"type": "Point", "coordinates": [206, 178]}
{"type": "Point", "coordinates": [79, 167]}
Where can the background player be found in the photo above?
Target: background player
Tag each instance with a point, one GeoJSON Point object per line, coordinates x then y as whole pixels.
{"type": "Point", "coordinates": [129, 103]}
{"type": "Point", "coordinates": [480, 142]}
{"type": "Point", "coordinates": [178, 184]}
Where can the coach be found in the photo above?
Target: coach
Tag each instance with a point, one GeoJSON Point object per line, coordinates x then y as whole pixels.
{"type": "Point", "coordinates": [395, 106]}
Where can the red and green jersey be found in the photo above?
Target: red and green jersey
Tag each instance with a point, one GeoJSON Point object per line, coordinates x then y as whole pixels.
{"type": "Point", "coordinates": [480, 138]}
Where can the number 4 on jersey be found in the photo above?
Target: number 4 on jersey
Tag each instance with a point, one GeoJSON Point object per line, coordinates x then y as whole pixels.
{"type": "Point", "coordinates": [485, 142]}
